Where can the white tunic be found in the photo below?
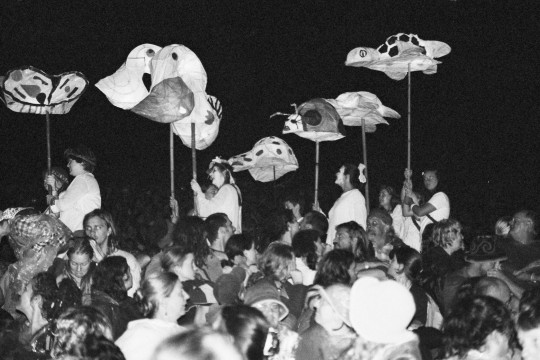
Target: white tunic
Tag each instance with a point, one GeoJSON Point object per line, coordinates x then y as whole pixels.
{"type": "Point", "coordinates": [81, 197]}
{"type": "Point", "coordinates": [227, 201]}
{"type": "Point", "coordinates": [442, 205]}
{"type": "Point", "coordinates": [351, 206]}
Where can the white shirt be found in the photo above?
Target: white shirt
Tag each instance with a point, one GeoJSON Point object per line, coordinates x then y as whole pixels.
{"type": "Point", "coordinates": [143, 336]}
{"type": "Point", "coordinates": [308, 275]}
{"type": "Point", "coordinates": [227, 201]}
{"type": "Point", "coordinates": [351, 206]}
{"type": "Point", "coordinates": [81, 197]}
{"type": "Point", "coordinates": [442, 205]}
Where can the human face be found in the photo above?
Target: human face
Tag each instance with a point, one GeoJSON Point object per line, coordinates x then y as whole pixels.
{"type": "Point", "coordinates": [340, 176]}
{"type": "Point", "coordinates": [456, 236]}
{"type": "Point", "coordinates": [376, 232]}
{"type": "Point", "coordinates": [430, 180]}
{"type": "Point", "coordinates": [520, 224]}
{"type": "Point", "coordinates": [343, 240]}
{"type": "Point", "coordinates": [79, 264]}
{"type": "Point", "coordinates": [227, 230]}
{"type": "Point", "coordinates": [96, 228]}
{"type": "Point", "coordinates": [384, 198]}
{"type": "Point", "coordinates": [187, 270]}
{"type": "Point", "coordinates": [128, 280]}
{"type": "Point", "coordinates": [530, 342]}
{"type": "Point", "coordinates": [217, 177]}
{"type": "Point", "coordinates": [175, 303]}
{"type": "Point", "coordinates": [395, 268]}
{"type": "Point", "coordinates": [251, 255]}
{"type": "Point", "coordinates": [75, 168]}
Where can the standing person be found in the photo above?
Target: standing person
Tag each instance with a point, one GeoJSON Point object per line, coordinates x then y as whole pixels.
{"type": "Point", "coordinates": [228, 199]}
{"type": "Point", "coordinates": [82, 195]}
{"type": "Point", "coordinates": [99, 227]}
{"type": "Point", "coordinates": [163, 301]}
{"type": "Point", "coordinates": [351, 205]}
{"type": "Point", "coordinates": [438, 206]}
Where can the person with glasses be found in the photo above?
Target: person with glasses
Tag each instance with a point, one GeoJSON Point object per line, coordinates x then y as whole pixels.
{"type": "Point", "coordinates": [522, 246]}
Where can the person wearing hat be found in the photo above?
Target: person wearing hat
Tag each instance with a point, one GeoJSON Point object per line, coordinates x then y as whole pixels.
{"type": "Point", "coordinates": [351, 205]}
{"type": "Point", "coordinates": [331, 333]}
{"type": "Point", "coordinates": [82, 195]}
{"type": "Point", "coordinates": [228, 199]}
{"type": "Point", "coordinates": [483, 259]}
{"type": "Point", "coordinates": [381, 234]}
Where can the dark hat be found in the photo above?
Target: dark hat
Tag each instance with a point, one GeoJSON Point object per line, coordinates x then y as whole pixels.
{"type": "Point", "coordinates": [484, 248]}
{"type": "Point", "coordinates": [264, 292]}
{"type": "Point", "coordinates": [381, 214]}
{"type": "Point", "coordinates": [82, 152]}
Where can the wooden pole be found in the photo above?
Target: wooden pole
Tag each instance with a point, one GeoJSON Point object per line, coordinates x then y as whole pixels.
{"type": "Point", "coordinates": [364, 151]}
{"type": "Point", "coordinates": [171, 156]}
{"type": "Point", "coordinates": [194, 164]}
{"type": "Point", "coordinates": [49, 162]}
{"type": "Point", "coordinates": [316, 200]}
{"type": "Point", "coordinates": [409, 119]}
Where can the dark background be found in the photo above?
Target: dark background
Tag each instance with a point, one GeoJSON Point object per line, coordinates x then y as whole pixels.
{"type": "Point", "coordinates": [476, 119]}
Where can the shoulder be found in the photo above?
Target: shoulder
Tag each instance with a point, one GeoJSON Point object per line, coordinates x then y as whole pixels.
{"type": "Point", "coordinates": [440, 196]}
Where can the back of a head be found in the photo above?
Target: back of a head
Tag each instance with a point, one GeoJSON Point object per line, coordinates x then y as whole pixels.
{"type": "Point", "coordinates": [197, 344]}
{"type": "Point", "coordinates": [247, 326]}
{"type": "Point", "coordinates": [96, 348]}
{"type": "Point", "coordinates": [190, 233]}
{"type": "Point", "coordinates": [303, 244]}
{"type": "Point", "coordinates": [411, 261]}
{"type": "Point", "coordinates": [109, 275]}
{"type": "Point", "coordinates": [212, 225]}
{"type": "Point", "coordinates": [154, 289]}
{"type": "Point", "coordinates": [334, 268]}
{"type": "Point", "coordinates": [529, 314]}
{"type": "Point", "coordinates": [316, 221]}
{"type": "Point", "coordinates": [275, 260]}
{"type": "Point", "coordinates": [493, 287]}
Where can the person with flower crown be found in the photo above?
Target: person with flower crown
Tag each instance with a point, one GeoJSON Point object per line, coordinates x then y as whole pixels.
{"type": "Point", "coordinates": [351, 205]}
{"type": "Point", "coordinates": [228, 199]}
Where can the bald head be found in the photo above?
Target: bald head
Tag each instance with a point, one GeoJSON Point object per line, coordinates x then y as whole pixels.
{"type": "Point", "coordinates": [493, 287]}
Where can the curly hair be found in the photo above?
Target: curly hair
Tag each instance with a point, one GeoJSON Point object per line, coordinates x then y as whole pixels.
{"type": "Point", "coordinates": [153, 289]}
{"type": "Point", "coordinates": [364, 248]}
{"type": "Point", "coordinates": [276, 260]}
{"type": "Point", "coordinates": [190, 233]}
{"type": "Point", "coordinates": [44, 285]}
{"type": "Point", "coordinates": [334, 268]}
{"type": "Point", "coordinates": [444, 232]}
{"type": "Point", "coordinates": [394, 198]}
{"type": "Point", "coordinates": [109, 277]}
{"type": "Point", "coordinates": [75, 325]}
{"type": "Point", "coordinates": [471, 321]}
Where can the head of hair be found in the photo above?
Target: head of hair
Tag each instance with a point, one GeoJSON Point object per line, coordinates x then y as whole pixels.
{"type": "Point", "coordinates": [75, 325]}
{"type": "Point", "coordinates": [295, 198]}
{"type": "Point", "coordinates": [411, 261]}
{"type": "Point", "coordinates": [109, 277]}
{"type": "Point", "coordinates": [303, 244]}
{"type": "Point", "coordinates": [276, 260]}
{"type": "Point", "coordinates": [334, 268]}
{"type": "Point", "coordinates": [81, 246]}
{"type": "Point", "coordinates": [535, 220]}
{"type": "Point", "coordinates": [237, 244]}
{"type": "Point", "coordinates": [96, 348]}
{"type": "Point", "coordinates": [173, 256]}
{"type": "Point", "coordinates": [80, 154]}
{"type": "Point", "coordinates": [212, 225]}
{"type": "Point", "coordinates": [426, 194]}
{"type": "Point", "coordinates": [394, 197]}
{"type": "Point", "coordinates": [247, 326]}
{"type": "Point", "coordinates": [363, 245]}
{"type": "Point", "coordinates": [353, 172]}
{"type": "Point", "coordinates": [317, 221]}
{"type": "Point", "coordinates": [190, 233]}
{"type": "Point", "coordinates": [226, 170]}
{"type": "Point", "coordinates": [444, 232]}
{"type": "Point", "coordinates": [197, 344]}
{"type": "Point", "coordinates": [69, 295]}
{"type": "Point", "coordinates": [471, 321]}
{"type": "Point", "coordinates": [275, 226]}
{"type": "Point", "coordinates": [44, 285]}
{"type": "Point", "coordinates": [529, 310]}
{"type": "Point", "coordinates": [153, 289]}
{"type": "Point", "coordinates": [107, 217]}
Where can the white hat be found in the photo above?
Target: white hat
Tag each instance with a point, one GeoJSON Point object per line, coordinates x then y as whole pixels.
{"type": "Point", "coordinates": [380, 311]}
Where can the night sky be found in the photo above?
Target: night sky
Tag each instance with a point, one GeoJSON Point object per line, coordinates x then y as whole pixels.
{"type": "Point", "coordinates": [477, 119]}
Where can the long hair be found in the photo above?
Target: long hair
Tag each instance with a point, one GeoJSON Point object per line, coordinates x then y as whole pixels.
{"type": "Point", "coordinates": [190, 233]}
{"type": "Point", "coordinates": [276, 260]}
{"type": "Point", "coordinates": [394, 198]}
{"type": "Point", "coordinates": [81, 246]}
{"type": "Point", "coordinates": [173, 256]}
{"type": "Point", "coordinates": [107, 217]}
{"type": "Point", "coordinates": [44, 285]}
{"type": "Point", "coordinates": [334, 268]}
{"type": "Point", "coordinates": [236, 245]}
{"type": "Point", "coordinates": [354, 174]}
{"type": "Point", "coordinates": [364, 248]}
{"type": "Point", "coordinates": [109, 277]}
{"type": "Point", "coordinates": [303, 244]}
{"type": "Point", "coordinates": [411, 261]}
{"type": "Point", "coordinates": [153, 289]}
{"type": "Point", "coordinates": [247, 326]}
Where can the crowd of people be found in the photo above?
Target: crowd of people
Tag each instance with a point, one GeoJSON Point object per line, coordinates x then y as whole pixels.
{"type": "Point", "coordinates": [211, 278]}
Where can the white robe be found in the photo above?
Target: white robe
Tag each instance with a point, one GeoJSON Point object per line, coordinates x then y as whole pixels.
{"type": "Point", "coordinates": [351, 206]}
{"type": "Point", "coordinates": [227, 201]}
